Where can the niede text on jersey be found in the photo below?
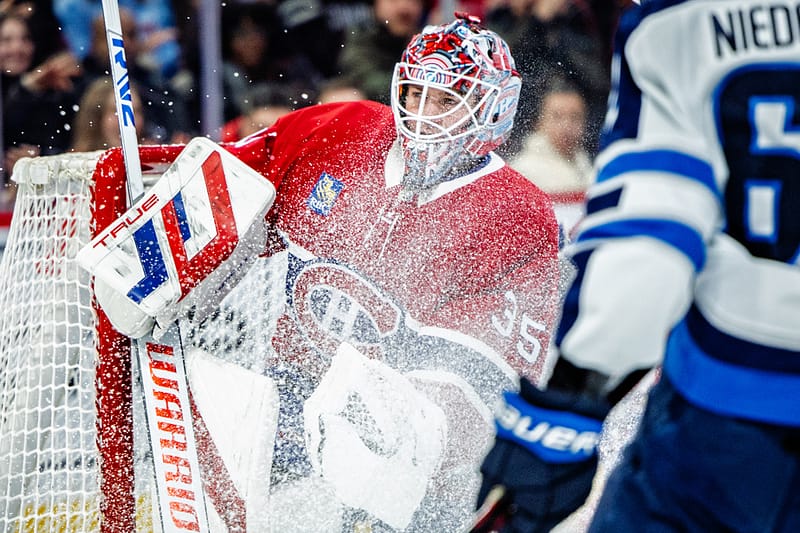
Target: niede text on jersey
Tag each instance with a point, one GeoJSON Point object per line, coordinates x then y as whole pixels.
{"type": "Point", "coordinates": [760, 27]}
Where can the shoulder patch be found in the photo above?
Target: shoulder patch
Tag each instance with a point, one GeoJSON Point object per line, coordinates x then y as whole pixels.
{"type": "Point", "coordinates": [324, 194]}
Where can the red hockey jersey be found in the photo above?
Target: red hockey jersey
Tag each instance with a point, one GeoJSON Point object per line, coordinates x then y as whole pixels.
{"type": "Point", "coordinates": [455, 288]}
{"type": "Point", "coordinates": [477, 255]}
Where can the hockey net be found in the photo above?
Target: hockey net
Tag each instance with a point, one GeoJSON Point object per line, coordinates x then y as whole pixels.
{"type": "Point", "coordinates": [73, 443]}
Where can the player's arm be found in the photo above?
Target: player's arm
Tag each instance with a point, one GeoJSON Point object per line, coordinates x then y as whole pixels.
{"type": "Point", "coordinates": [633, 284]}
{"type": "Point", "coordinates": [507, 296]}
{"type": "Point", "coordinates": [654, 206]}
{"type": "Point", "coordinates": [193, 235]}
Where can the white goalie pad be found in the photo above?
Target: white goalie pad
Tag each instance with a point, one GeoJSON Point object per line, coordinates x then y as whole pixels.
{"type": "Point", "coordinates": [374, 437]}
{"type": "Point", "coordinates": [184, 244]}
{"type": "Point", "coordinates": [240, 410]}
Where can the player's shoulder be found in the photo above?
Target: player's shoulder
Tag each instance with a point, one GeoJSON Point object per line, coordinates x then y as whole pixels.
{"type": "Point", "coordinates": [635, 14]}
{"type": "Point", "coordinates": [516, 186]}
{"type": "Point", "coordinates": [517, 198]}
{"type": "Point", "coordinates": [636, 18]}
{"type": "Point", "coordinates": [362, 122]}
{"type": "Point", "coordinates": [358, 107]}
{"type": "Point", "coordinates": [362, 114]}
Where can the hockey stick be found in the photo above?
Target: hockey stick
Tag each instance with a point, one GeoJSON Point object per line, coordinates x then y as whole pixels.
{"type": "Point", "coordinates": [493, 513]}
{"type": "Point", "coordinates": [161, 364]}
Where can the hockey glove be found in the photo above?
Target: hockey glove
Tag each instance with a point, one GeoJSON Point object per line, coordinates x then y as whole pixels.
{"type": "Point", "coordinates": [544, 456]}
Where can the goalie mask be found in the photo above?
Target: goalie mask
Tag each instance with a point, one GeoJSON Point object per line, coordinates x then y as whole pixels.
{"type": "Point", "coordinates": [454, 97]}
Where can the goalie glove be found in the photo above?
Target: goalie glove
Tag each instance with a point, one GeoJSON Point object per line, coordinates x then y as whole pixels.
{"type": "Point", "coordinates": [544, 456]}
{"type": "Point", "coordinates": [184, 244]}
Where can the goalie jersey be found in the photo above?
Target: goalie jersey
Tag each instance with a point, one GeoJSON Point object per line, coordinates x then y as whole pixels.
{"type": "Point", "coordinates": [455, 288]}
{"type": "Point", "coordinates": [476, 255]}
{"type": "Point", "coordinates": [691, 245]}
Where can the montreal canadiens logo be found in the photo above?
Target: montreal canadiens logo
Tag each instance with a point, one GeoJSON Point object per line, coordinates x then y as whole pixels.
{"type": "Point", "coordinates": [333, 304]}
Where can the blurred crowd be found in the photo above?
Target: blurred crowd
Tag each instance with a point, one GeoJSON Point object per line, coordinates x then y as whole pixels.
{"type": "Point", "coordinates": [277, 56]}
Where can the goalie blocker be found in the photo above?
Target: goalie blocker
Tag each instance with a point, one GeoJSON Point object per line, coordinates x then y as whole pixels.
{"type": "Point", "coordinates": [184, 244]}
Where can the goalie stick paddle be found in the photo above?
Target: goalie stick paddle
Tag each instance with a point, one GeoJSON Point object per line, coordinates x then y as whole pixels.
{"type": "Point", "coordinates": [161, 363]}
{"type": "Point", "coordinates": [169, 420]}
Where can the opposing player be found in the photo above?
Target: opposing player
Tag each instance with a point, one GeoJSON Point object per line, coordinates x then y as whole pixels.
{"type": "Point", "coordinates": [688, 257]}
{"type": "Point", "coordinates": [421, 278]}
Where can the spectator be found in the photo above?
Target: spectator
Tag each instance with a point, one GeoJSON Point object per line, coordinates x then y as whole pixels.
{"type": "Point", "coordinates": [17, 49]}
{"type": "Point", "coordinates": [344, 15]}
{"type": "Point", "coordinates": [264, 104]}
{"type": "Point", "coordinates": [555, 37]}
{"type": "Point", "coordinates": [246, 34]}
{"type": "Point", "coordinates": [307, 23]}
{"type": "Point", "coordinates": [155, 22]}
{"type": "Point", "coordinates": [370, 52]}
{"type": "Point", "coordinates": [96, 126]}
{"type": "Point", "coordinates": [39, 102]}
{"type": "Point", "coordinates": [251, 55]}
{"type": "Point", "coordinates": [168, 114]}
{"type": "Point", "coordinates": [339, 90]}
{"type": "Point", "coordinates": [47, 38]}
{"type": "Point", "coordinates": [553, 155]}
{"type": "Point", "coordinates": [16, 57]}
{"type": "Point", "coordinates": [35, 108]}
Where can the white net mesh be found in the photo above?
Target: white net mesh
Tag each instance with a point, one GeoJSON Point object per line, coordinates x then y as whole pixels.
{"type": "Point", "coordinates": [49, 343]}
{"type": "Point", "coordinates": [48, 456]}
{"type": "Point", "coordinates": [50, 478]}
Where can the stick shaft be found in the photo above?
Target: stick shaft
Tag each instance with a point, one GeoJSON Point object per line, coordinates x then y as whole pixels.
{"type": "Point", "coordinates": [123, 99]}
{"type": "Point", "coordinates": [195, 514]}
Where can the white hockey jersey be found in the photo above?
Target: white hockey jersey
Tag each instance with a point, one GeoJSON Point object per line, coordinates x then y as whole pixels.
{"type": "Point", "coordinates": [689, 253]}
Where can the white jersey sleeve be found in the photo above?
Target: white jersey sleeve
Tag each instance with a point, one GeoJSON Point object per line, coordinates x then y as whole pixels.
{"type": "Point", "coordinates": [689, 251]}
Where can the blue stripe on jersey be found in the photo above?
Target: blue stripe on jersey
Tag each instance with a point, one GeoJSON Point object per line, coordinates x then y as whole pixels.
{"type": "Point", "coordinates": [738, 351]}
{"type": "Point", "coordinates": [680, 236]}
{"type": "Point", "coordinates": [603, 201]}
{"type": "Point", "coordinates": [625, 98]}
{"type": "Point", "coordinates": [569, 312]}
{"type": "Point", "coordinates": [669, 161]}
{"type": "Point", "coordinates": [729, 389]}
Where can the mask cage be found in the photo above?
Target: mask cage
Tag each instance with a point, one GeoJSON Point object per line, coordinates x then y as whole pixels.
{"type": "Point", "coordinates": [473, 104]}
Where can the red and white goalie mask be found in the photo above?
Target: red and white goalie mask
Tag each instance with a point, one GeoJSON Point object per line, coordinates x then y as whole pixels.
{"type": "Point", "coordinates": [454, 97]}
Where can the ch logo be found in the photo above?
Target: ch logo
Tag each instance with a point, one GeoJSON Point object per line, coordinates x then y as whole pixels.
{"type": "Point", "coordinates": [190, 270]}
{"type": "Point", "coordinates": [332, 304]}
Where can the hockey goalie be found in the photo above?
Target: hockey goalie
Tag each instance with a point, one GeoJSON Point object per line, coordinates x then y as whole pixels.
{"type": "Point", "coordinates": [404, 278]}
